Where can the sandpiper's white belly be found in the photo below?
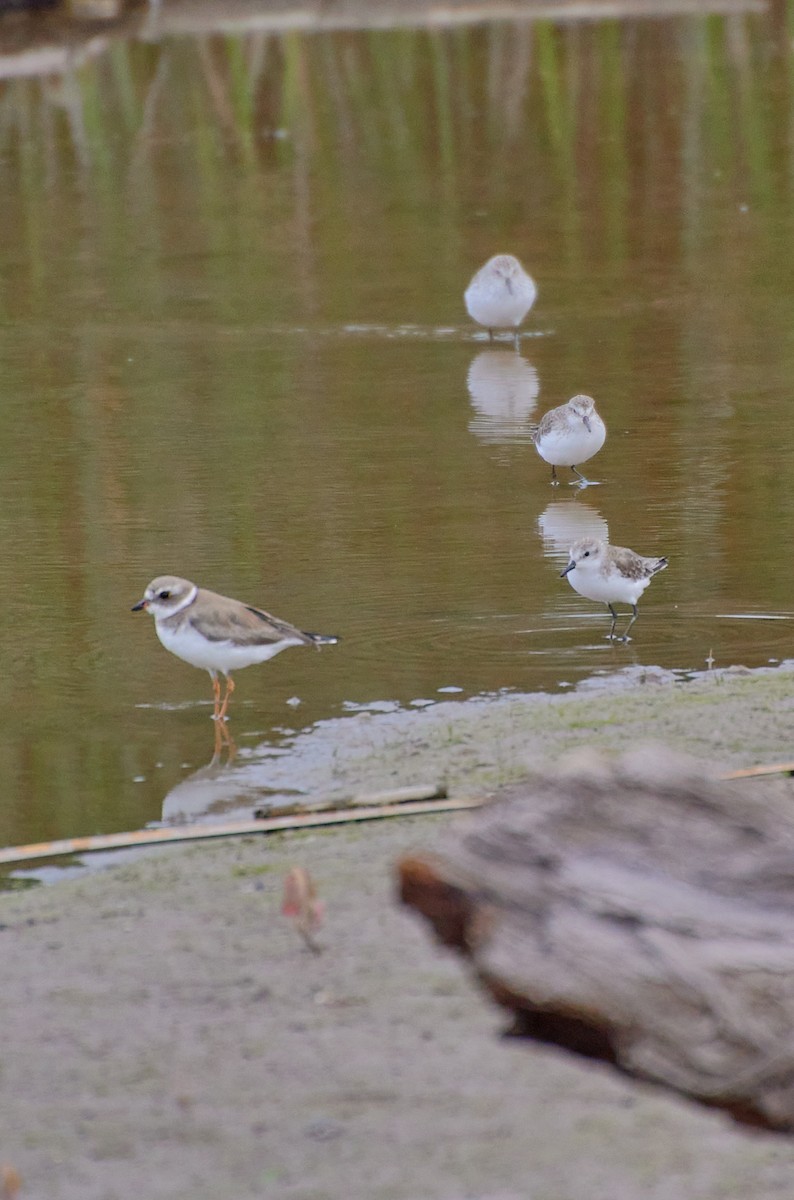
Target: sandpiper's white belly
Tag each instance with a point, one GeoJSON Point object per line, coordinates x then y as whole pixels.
{"type": "Point", "coordinates": [492, 304]}
{"type": "Point", "coordinates": [570, 447]}
{"type": "Point", "coordinates": [189, 645]}
{"type": "Point", "coordinates": [612, 588]}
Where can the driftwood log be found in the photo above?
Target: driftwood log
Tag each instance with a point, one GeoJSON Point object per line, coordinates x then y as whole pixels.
{"type": "Point", "coordinates": [639, 913]}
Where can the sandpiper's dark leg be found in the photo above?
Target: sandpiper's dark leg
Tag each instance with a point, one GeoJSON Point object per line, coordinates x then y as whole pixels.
{"type": "Point", "coordinates": [580, 479]}
{"type": "Point", "coordinates": [611, 633]}
{"type": "Point", "coordinates": [626, 637]}
{"type": "Point", "coordinates": [490, 335]}
{"type": "Point", "coordinates": [554, 480]}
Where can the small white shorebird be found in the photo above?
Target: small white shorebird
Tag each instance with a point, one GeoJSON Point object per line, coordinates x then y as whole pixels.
{"type": "Point", "coordinates": [611, 574]}
{"type": "Point", "coordinates": [217, 633]}
{"type": "Point", "coordinates": [569, 435]}
{"type": "Point", "coordinates": [500, 294]}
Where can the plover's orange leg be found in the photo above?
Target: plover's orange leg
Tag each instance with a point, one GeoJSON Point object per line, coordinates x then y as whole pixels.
{"type": "Point", "coordinates": [229, 742]}
{"type": "Point", "coordinates": [220, 726]}
{"type": "Point", "coordinates": [226, 698]}
{"type": "Point", "coordinates": [216, 691]}
{"type": "Point", "coordinates": [223, 741]}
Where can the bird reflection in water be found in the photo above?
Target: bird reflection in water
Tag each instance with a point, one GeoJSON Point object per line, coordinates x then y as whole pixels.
{"type": "Point", "coordinates": [504, 389]}
{"type": "Point", "coordinates": [564, 522]}
{"type": "Point", "coordinates": [223, 741]}
{"type": "Point", "coordinates": [211, 790]}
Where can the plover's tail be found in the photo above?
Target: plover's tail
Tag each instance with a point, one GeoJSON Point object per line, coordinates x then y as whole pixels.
{"type": "Point", "coordinates": [322, 639]}
{"type": "Point", "coordinates": [657, 564]}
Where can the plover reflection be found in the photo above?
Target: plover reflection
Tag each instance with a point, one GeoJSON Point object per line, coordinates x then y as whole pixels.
{"type": "Point", "coordinates": [611, 574]}
{"type": "Point", "coordinates": [504, 390]}
{"type": "Point", "coordinates": [500, 294]}
{"type": "Point", "coordinates": [569, 435]}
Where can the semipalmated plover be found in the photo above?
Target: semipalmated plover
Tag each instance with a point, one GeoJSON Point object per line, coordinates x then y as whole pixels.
{"type": "Point", "coordinates": [611, 574]}
{"type": "Point", "coordinates": [569, 435]}
{"type": "Point", "coordinates": [500, 294]}
{"type": "Point", "coordinates": [217, 633]}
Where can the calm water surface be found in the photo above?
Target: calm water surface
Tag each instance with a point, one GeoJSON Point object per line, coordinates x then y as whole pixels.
{"type": "Point", "coordinates": [233, 346]}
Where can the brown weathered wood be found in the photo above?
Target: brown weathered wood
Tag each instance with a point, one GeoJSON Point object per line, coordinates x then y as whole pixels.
{"type": "Point", "coordinates": [640, 913]}
{"type": "Point", "coordinates": [308, 816]}
{"type": "Point", "coordinates": [786, 768]}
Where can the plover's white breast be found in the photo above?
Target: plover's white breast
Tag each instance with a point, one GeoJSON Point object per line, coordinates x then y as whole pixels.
{"type": "Point", "coordinates": [571, 443]}
{"type": "Point", "coordinates": [187, 643]}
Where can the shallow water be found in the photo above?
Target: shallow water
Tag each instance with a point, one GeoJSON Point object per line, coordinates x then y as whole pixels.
{"type": "Point", "coordinates": [233, 346]}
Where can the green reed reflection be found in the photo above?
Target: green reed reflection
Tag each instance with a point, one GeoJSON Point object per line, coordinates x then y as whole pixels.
{"type": "Point", "coordinates": [209, 248]}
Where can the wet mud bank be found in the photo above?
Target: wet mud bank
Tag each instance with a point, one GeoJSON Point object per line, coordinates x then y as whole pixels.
{"type": "Point", "coordinates": [168, 1034]}
{"type": "Point", "coordinates": [730, 718]}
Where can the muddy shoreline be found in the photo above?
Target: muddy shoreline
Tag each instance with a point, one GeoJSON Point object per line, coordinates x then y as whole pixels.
{"type": "Point", "coordinates": [168, 1034]}
{"type": "Point", "coordinates": [727, 718]}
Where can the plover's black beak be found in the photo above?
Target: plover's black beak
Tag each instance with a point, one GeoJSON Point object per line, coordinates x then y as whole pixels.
{"type": "Point", "coordinates": [587, 424]}
{"type": "Point", "coordinates": [570, 567]}
{"type": "Point", "coordinates": [141, 604]}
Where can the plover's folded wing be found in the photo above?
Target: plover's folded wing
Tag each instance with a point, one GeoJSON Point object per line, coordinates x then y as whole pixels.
{"type": "Point", "coordinates": [221, 619]}
{"type": "Point", "coordinates": [279, 630]}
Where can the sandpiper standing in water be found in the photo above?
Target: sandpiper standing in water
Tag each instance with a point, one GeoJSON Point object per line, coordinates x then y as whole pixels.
{"type": "Point", "coordinates": [217, 633]}
{"type": "Point", "coordinates": [500, 294]}
{"type": "Point", "coordinates": [569, 435]}
{"type": "Point", "coordinates": [611, 574]}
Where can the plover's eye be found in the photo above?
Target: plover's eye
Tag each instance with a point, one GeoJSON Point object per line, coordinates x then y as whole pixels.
{"type": "Point", "coordinates": [164, 596]}
{"type": "Point", "coordinates": [587, 554]}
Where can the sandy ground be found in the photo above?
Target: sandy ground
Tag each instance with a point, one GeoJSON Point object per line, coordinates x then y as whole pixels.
{"type": "Point", "coordinates": [167, 1034]}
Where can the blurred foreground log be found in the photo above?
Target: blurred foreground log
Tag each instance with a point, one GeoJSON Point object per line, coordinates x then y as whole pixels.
{"type": "Point", "coordinates": [637, 913]}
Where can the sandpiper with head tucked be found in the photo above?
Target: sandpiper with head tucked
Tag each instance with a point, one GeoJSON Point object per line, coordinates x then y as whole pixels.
{"type": "Point", "coordinates": [611, 574]}
{"type": "Point", "coordinates": [217, 633]}
{"type": "Point", "coordinates": [500, 294]}
{"type": "Point", "coordinates": [569, 435]}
